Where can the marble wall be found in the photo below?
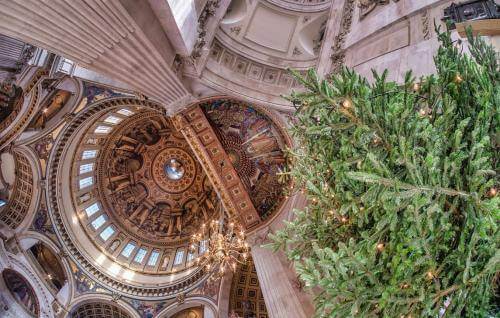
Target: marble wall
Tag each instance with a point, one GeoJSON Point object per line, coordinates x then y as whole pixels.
{"type": "Point", "coordinates": [397, 35]}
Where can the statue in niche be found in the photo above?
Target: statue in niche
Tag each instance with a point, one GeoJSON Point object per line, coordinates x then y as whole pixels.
{"type": "Point", "coordinates": [114, 245]}
{"type": "Point", "coordinates": [175, 221]}
{"type": "Point", "coordinates": [164, 264]}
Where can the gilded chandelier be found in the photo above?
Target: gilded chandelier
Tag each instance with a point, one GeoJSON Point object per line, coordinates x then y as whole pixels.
{"type": "Point", "coordinates": [221, 246]}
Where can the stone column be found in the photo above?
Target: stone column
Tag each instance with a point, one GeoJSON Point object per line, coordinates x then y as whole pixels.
{"type": "Point", "coordinates": [121, 39]}
{"type": "Point", "coordinates": [283, 296]}
{"type": "Point", "coordinates": [282, 291]}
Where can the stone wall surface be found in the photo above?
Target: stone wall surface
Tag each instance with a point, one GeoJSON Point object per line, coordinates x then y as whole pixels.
{"type": "Point", "coordinates": [396, 35]}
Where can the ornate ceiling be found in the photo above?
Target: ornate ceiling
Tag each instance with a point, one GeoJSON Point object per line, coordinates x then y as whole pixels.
{"type": "Point", "coordinates": [151, 183]}
{"type": "Point", "coordinates": [134, 185]}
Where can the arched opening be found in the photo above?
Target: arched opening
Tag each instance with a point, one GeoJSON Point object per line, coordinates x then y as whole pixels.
{"type": "Point", "coordinates": [16, 188]}
{"type": "Point", "coordinates": [21, 291]}
{"type": "Point", "coordinates": [54, 104]}
{"type": "Point", "coordinates": [49, 265]}
{"type": "Point", "coordinates": [98, 310]}
{"type": "Point", "coordinates": [193, 312]}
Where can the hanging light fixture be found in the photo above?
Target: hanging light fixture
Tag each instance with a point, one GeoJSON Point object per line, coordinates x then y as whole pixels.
{"type": "Point", "coordinates": [221, 245]}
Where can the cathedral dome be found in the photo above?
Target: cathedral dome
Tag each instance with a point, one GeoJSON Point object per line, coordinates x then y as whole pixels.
{"type": "Point", "coordinates": [133, 189]}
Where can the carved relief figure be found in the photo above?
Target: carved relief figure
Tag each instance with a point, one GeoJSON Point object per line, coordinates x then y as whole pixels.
{"type": "Point", "coordinates": [254, 146]}
{"type": "Point", "coordinates": [367, 6]}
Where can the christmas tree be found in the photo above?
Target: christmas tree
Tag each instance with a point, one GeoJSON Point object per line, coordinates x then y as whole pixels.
{"type": "Point", "coordinates": [401, 181]}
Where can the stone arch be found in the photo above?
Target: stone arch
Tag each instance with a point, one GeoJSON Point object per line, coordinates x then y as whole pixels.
{"type": "Point", "coordinates": [210, 309]}
{"type": "Point", "coordinates": [65, 89]}
{"type": "Point", "coordinates": [29, 239]}
{"type": "Point", "coordinates": [95, 302]}
{"type": "Point", "coordinates": [18, 213]}
{"type": "Point", "coordinates": [21, 291]}
{"type": "Point", "coordinates": [44, 298]}
{"type": "Point", "coordinates": [32, 95]}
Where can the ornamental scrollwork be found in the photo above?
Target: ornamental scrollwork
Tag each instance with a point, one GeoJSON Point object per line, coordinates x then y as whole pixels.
{"type": "Point", "coordinates": [367, 6]}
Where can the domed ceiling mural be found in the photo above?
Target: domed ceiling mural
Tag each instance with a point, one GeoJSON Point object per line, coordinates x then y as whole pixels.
{"type": "Point", "coordinates": [141, 186]}
{"type": "Point", "coordinates": [255, 146]}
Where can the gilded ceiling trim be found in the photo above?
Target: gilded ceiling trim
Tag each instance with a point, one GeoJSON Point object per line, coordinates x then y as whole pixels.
{"type": "Point", "coordinates": [195, 127]}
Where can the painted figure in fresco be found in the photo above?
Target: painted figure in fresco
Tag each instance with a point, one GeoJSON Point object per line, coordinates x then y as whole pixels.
{"type": "Point", "coordinates": [95, 93]}
{"type": "Point", "coordinates": [21, 290]}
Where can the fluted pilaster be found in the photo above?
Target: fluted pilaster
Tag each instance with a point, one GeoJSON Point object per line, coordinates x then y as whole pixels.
{"type": "Point", "coordinates": [111, 37]}
{"type": "Point", "coordinates": [282, 298]}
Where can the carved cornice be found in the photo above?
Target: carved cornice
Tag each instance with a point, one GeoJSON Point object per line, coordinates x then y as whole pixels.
{"type": "Point", "coordinates": [251, 70]}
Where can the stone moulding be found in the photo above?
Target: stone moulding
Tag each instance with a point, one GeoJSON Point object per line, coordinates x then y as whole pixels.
{"type": "Point", "coordinates": [53, 195]}
{"type": "Point", "coordinates": [23, 120]}
{"type": "Point", "coordinates": [302, 5]}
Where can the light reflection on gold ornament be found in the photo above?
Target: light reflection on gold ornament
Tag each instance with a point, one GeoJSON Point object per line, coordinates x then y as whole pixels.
{"type": "Point", "coordinates": [221, 246]}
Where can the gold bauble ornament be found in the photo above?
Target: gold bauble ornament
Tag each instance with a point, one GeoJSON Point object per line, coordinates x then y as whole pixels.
{"type": "Point", "coordinates": [429, 275]}
{"type": "Point", "coordinates": [458, 79]}
{"type": "Point", "coordinates": [416, 87]}
{"type": "Point", "coordinates": [493, 192]}
{"type": "Point", "coordinates": [346, 103]}
{"type": "Point", "coordinates": [380, 247]}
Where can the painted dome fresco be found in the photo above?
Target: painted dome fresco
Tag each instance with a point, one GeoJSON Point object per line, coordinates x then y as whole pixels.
{"type": "Point", "coordinates": [142, 183]}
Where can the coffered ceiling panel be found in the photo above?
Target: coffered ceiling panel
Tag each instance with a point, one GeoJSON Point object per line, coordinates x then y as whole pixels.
{"type": "Point", "coordinates": [271, 28]}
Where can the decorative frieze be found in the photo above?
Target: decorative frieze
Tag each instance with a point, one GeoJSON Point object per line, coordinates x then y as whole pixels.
{"type": "Point", "coordinates": [203, 141]}
{"type": "Point", "coordinates": [209, 11]}
{"type": "Point", "coordinates": [367, 6]}
{"type": "Point", "coordinates": [426, 30]}
{"type": "Point", "coordinates": [252, 70]}
{"type": "Point", "coordinates": [338, 56]}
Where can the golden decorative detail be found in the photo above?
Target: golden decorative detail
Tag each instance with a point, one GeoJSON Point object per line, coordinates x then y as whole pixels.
{"type": "Point", "coordinates": [221, 246]}
{"type": "Point", "coordinates": [144, 202]}
{"type": "Point", "coordinates": [246, 296]}
{"type": "Point", "coordinates": [195, 127]}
